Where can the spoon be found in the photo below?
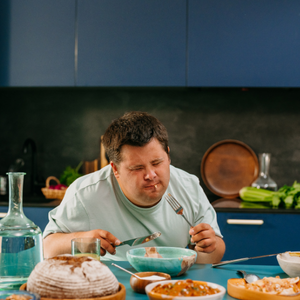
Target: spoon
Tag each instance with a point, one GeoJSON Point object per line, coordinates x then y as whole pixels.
{"type": "Point", "coordinates": [249, 277]}
{"type": "Point", "coordinates": [152, 277]}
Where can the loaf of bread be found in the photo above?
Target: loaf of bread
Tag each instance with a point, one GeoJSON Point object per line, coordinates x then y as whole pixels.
{"type": "Point", "coordinates": [68, 277]}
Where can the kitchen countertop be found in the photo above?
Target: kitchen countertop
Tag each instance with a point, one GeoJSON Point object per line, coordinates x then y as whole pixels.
{"type": "Point", "coordinates": [233, 206]}
{"type": "Point", "coordinates": [257, 210]}
{"type": "Point", "coordinates": [41, 201]}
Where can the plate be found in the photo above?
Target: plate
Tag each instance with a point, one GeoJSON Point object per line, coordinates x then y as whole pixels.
{"type": "Point", "coordinates": [228, 166]}
{"type": "Point", "coordinates": [156, 296]}
{"type": "Point", "coordinates": [243, 294]}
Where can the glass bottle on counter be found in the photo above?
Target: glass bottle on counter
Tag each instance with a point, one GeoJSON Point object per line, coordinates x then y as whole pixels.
{"type": "Point", "coordinates": [20, 239]}
{"type": "Point", "coordinates": [264, 181]}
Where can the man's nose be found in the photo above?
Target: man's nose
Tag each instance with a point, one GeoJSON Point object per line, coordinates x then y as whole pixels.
{"type": "Point", "coordinates": [150, 174]}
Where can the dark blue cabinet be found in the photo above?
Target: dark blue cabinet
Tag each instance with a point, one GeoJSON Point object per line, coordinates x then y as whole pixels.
{"type": "Point", "coordinates": [243, 43]}
{"type": "Point", "coordinates": [131, 43]}
{"type": "Point", "coordinates": [37, 43]}
{"type": "Point", "coordinates": [277, 233]}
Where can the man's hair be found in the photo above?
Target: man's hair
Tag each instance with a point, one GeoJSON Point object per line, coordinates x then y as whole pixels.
{"type": "Point", "coordinates": [135, 129]}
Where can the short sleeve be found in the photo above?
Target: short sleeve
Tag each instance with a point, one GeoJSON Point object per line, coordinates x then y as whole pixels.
{"type": "Point", "coordinates": [69, 216]}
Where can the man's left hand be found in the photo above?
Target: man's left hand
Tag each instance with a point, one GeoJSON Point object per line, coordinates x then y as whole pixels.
{"type": "Point", "coordinates": [204, 238]}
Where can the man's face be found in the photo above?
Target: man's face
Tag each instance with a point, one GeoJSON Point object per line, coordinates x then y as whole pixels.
{"type": "Point", "coordinates": [144, 173]}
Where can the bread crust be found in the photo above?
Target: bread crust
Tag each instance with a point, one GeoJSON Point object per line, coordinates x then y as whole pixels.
{"type": "Point", "coordinates": [68, 277]}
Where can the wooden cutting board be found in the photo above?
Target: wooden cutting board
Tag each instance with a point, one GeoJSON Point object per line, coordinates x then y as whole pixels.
{"type": "Point", "coordinates": [228, 166]}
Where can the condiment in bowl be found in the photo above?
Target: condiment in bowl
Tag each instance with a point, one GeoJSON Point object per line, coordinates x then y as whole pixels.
{"type": "Point", "coordinates": [145, 278]}
{"type": "Point", "coordinates": [290, 263]}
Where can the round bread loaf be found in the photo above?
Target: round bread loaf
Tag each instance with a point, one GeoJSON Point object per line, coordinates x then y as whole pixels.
{"type": "Point", "coordinates": [67, 277]}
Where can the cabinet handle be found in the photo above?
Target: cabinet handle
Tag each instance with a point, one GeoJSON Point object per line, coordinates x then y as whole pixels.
{"type": "Point", "coordinates": [2, 215]}
{"type": "Point", "coordinates": [244, 222]}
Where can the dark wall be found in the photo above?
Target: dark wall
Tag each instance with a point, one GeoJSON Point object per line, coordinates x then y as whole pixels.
{"type": "Point", "coordinates": [66, 124]}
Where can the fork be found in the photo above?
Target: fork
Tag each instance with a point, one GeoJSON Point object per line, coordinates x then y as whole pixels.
{"type": "Point", "coordinates": [176, 207]}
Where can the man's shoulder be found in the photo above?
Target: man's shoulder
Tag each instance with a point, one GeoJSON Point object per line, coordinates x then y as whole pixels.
{"type": "Point", "coordinates": [92, 179]}
{"type": "Point", "coordinates": [180, 174]}
{"type": "Point", "coordinates": [182, 179]}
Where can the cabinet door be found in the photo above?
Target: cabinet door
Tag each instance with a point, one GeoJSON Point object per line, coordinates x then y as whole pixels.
{"type": "Point", "coordinates": [38, 44]}
{"type": "Point", "coordinates": [244, 43]}
{"type": "Point", "coordinates": [131, 43]}
{"type": "Point", "coordinates": [277, 234]}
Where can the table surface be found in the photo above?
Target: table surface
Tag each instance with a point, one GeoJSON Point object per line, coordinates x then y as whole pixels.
{"type": "Point", "coordinates": [218, 275]}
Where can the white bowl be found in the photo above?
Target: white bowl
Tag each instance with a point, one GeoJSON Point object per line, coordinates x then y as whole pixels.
{"type": "Point", "coordinates": [156, 296]}
{"type": "Point", "coordinates": [289, 264]}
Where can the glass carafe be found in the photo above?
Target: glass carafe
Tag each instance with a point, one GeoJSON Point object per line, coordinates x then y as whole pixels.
{"type": "Point", "coordinates": [264, 181]}
{"type": "Point", "coordinates": [20, 239]}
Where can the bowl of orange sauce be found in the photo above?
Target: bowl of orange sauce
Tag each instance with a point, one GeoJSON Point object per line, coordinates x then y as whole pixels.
{"type": "Point", "coordinates": [184, 290]}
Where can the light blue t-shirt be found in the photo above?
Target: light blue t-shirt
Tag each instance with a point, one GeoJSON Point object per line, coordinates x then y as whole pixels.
{"type": "Point", "coordinates": [96, 201]}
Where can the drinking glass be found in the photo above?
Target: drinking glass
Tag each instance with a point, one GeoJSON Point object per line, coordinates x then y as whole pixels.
{"type": "Point", "coordinates": [86, 247]}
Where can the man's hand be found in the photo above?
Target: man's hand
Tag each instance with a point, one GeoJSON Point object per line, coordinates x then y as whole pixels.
{"type": "Point", "coordinates": [204, 237]}
{"type": "Point", "coordinates": [60, 243]}
{"type": "Point", "coordinates": [210, 248]}
{"type": "Point", "coordinates": [108, 240]}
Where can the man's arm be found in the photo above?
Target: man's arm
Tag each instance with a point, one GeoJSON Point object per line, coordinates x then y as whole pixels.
{"type": "Point", "coordinates": [60, 243]}
{"type": "Point", "coordinates": [210, 247]}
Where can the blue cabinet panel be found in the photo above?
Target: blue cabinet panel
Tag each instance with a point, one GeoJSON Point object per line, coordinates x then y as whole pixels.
{"type": "Point", "coordinates": [277, 234]}
{"type": "Point", "coordinates": [131, 43]}
{"type": "Point", "coordinates": [244, 43]}
{"type": "Point", "coordinates": [38, 215]}
{"type": "Point", "coordinates": [39, 49]}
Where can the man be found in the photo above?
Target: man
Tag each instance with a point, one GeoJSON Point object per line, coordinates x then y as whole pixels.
{"type": "Point", "coordinates": [125, 199]}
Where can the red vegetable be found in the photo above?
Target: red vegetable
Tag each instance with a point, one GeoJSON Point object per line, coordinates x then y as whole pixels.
{"type": "Point", "coordinates": [58, 187]}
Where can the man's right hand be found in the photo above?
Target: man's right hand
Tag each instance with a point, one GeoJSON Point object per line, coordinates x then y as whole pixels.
{"type": "Point", "coordinates": [60, 243]}
{"type": "Point", "coordinates": [108, 240]}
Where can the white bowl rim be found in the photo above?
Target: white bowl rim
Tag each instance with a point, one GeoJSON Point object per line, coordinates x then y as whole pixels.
{"type": "Point", "coordinates": [279, 257]}
{"type": "Point", "coordinates": [165, 258]}
{"type": "Point", "coordinates": [150, 286]}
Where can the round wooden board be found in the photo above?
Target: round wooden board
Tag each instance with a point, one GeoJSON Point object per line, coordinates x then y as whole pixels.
{"type": "Point", "coordinates": [228, 166]}
{"type": "Point", "coordinates": [120, 295]}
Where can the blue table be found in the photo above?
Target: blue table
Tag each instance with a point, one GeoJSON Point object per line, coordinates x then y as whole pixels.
{"type": "Point", "coordinates": [218, 275]}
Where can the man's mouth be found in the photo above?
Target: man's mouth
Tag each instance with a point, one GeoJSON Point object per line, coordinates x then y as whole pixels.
{"type": "Point", "coordinates": [152, 186]}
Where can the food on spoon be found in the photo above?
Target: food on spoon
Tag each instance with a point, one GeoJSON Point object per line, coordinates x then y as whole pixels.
{"type": "Point", "coordinates": [186, 288]}
{"type": "Point", "coordinates": [272, 285]}
{"type": "Point", "coordinates": [67, 277]}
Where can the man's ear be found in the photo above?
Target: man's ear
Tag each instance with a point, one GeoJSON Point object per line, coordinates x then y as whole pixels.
{"type": "Point", "coordinates": [115, 170]}
{"type": "Point", "coordinates": [169, 154]}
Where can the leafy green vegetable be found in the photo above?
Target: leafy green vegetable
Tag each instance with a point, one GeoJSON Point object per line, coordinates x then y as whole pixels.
{"type": "Point", "coordinates": [70, 174]}
{"type": "Point", "coordinates": [286, 197]}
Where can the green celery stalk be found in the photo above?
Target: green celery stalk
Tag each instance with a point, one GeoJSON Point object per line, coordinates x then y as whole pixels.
{"type": "Point", "coordinates": [253, 194]}
{"type": "Point", "coordinates": [276, 200]}
{"type": "Point", "coordinates": [288, 201]}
